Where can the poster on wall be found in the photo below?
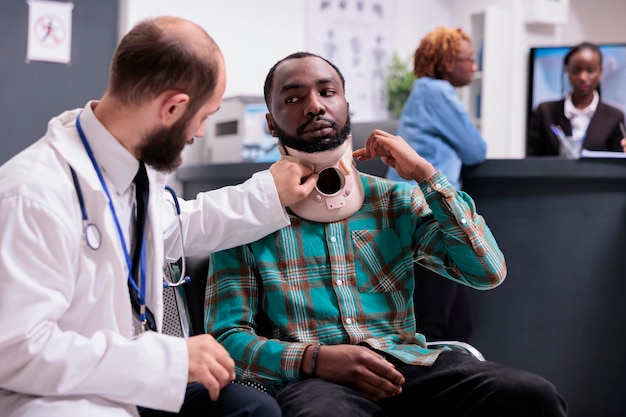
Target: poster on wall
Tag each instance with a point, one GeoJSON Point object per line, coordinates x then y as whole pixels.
{"type": "Point", "coordinates": [49, 31]}
{"type": "Point", "coordinates": [356, 36]}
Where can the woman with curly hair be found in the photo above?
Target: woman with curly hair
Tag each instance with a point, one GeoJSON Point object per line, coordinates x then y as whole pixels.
{"type": "Point", "coordinates": [436, 124]}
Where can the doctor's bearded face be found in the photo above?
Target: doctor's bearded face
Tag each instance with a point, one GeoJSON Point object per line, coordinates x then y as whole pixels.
{"type": "Point", "coordinates": [308, 108]}
{"type": "Point", "coordinates": [162, 148]}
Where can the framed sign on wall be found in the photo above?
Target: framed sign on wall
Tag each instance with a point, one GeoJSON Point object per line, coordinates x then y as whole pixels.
{"type": "Point", "coordinates": [547, 11]}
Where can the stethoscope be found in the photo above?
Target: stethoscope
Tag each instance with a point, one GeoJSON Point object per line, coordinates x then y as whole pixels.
{"type": "Point", "coordinates": [183, 278]}
{"type": "Point", "coordinates": [93, 237]}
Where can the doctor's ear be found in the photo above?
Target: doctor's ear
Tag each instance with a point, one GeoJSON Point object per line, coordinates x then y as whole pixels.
{"type": "Point", "coordinates": [172, 106]}
{"type": "Point", "coordinates": [270, 124]}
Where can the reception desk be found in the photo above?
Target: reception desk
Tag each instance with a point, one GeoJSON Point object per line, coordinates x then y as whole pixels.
{"type": "Point", "coordinates": [561, 312]}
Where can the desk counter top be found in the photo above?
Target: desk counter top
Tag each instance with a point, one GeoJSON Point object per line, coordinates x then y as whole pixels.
{"type": "Point", "coordinates": [217, 175]}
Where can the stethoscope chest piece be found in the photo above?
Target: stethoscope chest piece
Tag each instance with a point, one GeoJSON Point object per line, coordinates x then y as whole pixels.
{"type": "Point", "coordinates": [93, 236]}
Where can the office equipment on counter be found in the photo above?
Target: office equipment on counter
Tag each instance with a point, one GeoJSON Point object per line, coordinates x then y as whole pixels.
{"type": "Point", "coordinates": [238, 133]}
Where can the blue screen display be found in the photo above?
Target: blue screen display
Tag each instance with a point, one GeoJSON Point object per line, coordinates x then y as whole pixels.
{"type": "Point", "coordinates": [548, 81]}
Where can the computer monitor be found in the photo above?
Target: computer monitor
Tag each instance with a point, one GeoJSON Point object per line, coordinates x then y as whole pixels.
{"type": "Point", "coordinates": [547, 81]}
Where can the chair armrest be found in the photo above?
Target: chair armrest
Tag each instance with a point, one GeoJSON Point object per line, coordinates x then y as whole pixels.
{"type": "Point", "coordinates": [457, 346]}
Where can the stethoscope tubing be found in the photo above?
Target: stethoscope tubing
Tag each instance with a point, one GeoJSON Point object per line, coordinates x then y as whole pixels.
{"type": "Point", "coordinates": [183, 279]}
{"type": "Point", "coordinates": [93, 238]}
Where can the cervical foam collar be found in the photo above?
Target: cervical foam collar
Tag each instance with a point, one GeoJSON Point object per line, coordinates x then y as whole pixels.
{"type": "Point", "coordinates": [338, 193]}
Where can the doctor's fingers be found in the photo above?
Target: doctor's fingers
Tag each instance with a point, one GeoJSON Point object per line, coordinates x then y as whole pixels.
{"type": "Point", "coordinates": [207, 343]}
{"type": "Point", "coordinates": [209, 363]}
{"type": "Point", "coordinates": [204, 349]}
{"type": "Point", "coordinates": [289, 166]}
{"type": "Point", "coordinates": [215, 378]}
{"type": "Point", "coordinates": [294, 180]}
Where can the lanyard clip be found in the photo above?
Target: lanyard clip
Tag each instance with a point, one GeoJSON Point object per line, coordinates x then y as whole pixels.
{"type": "Point", "coordinates": [142, 317]}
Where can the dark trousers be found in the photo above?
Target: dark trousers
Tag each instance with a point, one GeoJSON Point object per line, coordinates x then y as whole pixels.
{"type": "Point", "coordinates": [235, 400]}
{"type": "Point", "coordinates": [457, 385]}
{"type": "Point", "coordinates": [442, 308]}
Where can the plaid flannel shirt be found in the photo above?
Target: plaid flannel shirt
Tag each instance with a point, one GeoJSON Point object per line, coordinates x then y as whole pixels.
{"type": "Point", "coordinates": [348, 281]}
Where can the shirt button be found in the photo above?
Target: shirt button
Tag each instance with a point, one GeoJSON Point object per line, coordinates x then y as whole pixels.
{"type": "Point", "coordinates": [463, 221]}
{"type": "Point", "coordinates": [437, 186]}
{"type": "Point", "coordinates": [428, 189]}
{"type": "Point", "coordinates": [333, 239]}
{"type": "Point", "coordinates": [348, 320]}
{"type": "Point", "coordinates": [339, 282]}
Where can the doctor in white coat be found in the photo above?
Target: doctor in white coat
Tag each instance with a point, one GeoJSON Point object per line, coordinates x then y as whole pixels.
{"type": "Point", "coordinates": [68, 345]}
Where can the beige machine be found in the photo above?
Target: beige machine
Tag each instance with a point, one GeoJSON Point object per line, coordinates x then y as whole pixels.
{"type": "Point", "coordinates": [238, 133]}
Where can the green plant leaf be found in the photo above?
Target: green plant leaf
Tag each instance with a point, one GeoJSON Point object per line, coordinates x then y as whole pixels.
{"type": "Point", "coordinates": [400, 80]}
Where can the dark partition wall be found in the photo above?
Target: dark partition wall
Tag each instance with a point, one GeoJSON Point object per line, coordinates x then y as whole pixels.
{"type": "Point", "coordinates": [31, 93]}
{"type": "Point", "coordinates": [561, 312]}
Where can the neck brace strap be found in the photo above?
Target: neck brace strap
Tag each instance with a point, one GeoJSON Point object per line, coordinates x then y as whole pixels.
{"type": "Point", "coordinates": [339, 191]}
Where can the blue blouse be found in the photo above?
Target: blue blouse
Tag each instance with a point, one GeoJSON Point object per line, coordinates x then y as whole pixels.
{"type": "Point", "coordinates": [435, 123]}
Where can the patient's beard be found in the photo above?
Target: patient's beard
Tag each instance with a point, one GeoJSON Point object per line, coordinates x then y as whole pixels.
{"type": "Point", "coordinates": [295, 141]}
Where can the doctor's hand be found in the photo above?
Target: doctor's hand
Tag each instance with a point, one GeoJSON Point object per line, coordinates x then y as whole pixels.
{"type": "Point", "coordinates": [210, 364]}
{"type": "Point", "coordinates": [360, 368]}
{"type": "Point", "coordinates": [395, 152]}
{"type": "Point", "coordinates": [294, 180]}
{"type": "Point", "coordinates": [624, 144]}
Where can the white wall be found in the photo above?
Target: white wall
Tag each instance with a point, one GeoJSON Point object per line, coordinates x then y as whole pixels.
{"type": "Point", "coordinates": [415, 19]}
{"type": "Point", "coordinates": [599, 21]}
{"type": "Point", "coordinates": [254, 34]}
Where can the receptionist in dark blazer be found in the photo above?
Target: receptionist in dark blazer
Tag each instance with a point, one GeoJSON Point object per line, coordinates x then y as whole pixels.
{"type": "Point", "coordinates": [581, 114]}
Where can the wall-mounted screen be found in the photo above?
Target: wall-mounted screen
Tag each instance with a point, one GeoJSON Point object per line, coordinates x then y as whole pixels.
{"type": "Point", "coordinates": [547, 81]}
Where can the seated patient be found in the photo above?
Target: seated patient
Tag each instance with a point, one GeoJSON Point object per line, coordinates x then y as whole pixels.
{"type": "Point", "coordinates": [321, 311]}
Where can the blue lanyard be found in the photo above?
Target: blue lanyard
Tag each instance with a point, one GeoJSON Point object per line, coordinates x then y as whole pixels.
{"type": "Point", "coordinates": [141, 291]}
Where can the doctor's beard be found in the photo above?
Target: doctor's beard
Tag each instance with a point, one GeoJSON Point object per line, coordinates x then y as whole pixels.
{"type": "Point", "coordinates": [162, 148]}
{"type": "Point", "coordinates": [295, 141]}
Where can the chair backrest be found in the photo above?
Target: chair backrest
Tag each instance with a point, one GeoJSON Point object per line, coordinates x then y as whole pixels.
{"type": "Point", "coordinates": [197, 270]}
{"type": "Point", "coordinates": [175, 309]}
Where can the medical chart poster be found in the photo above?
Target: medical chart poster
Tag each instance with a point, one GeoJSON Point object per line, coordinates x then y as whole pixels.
{"type": "Point", "coordinates": [49, 31]}
{"type": "Point", "coordinates": [357, 36]}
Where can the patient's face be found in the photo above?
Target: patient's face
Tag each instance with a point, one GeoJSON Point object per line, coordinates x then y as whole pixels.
{"type": "Point", "coordinates": [309, 111]}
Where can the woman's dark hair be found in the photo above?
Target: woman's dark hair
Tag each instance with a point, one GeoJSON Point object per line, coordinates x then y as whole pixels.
{"type": "Point", "coordinates": [577, 48]}
{"type": "Point", "coordinates": [574, 50]}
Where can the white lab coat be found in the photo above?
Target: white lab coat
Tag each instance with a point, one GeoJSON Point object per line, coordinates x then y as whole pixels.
{"type": "Point", "coordinates": [66, 337]}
